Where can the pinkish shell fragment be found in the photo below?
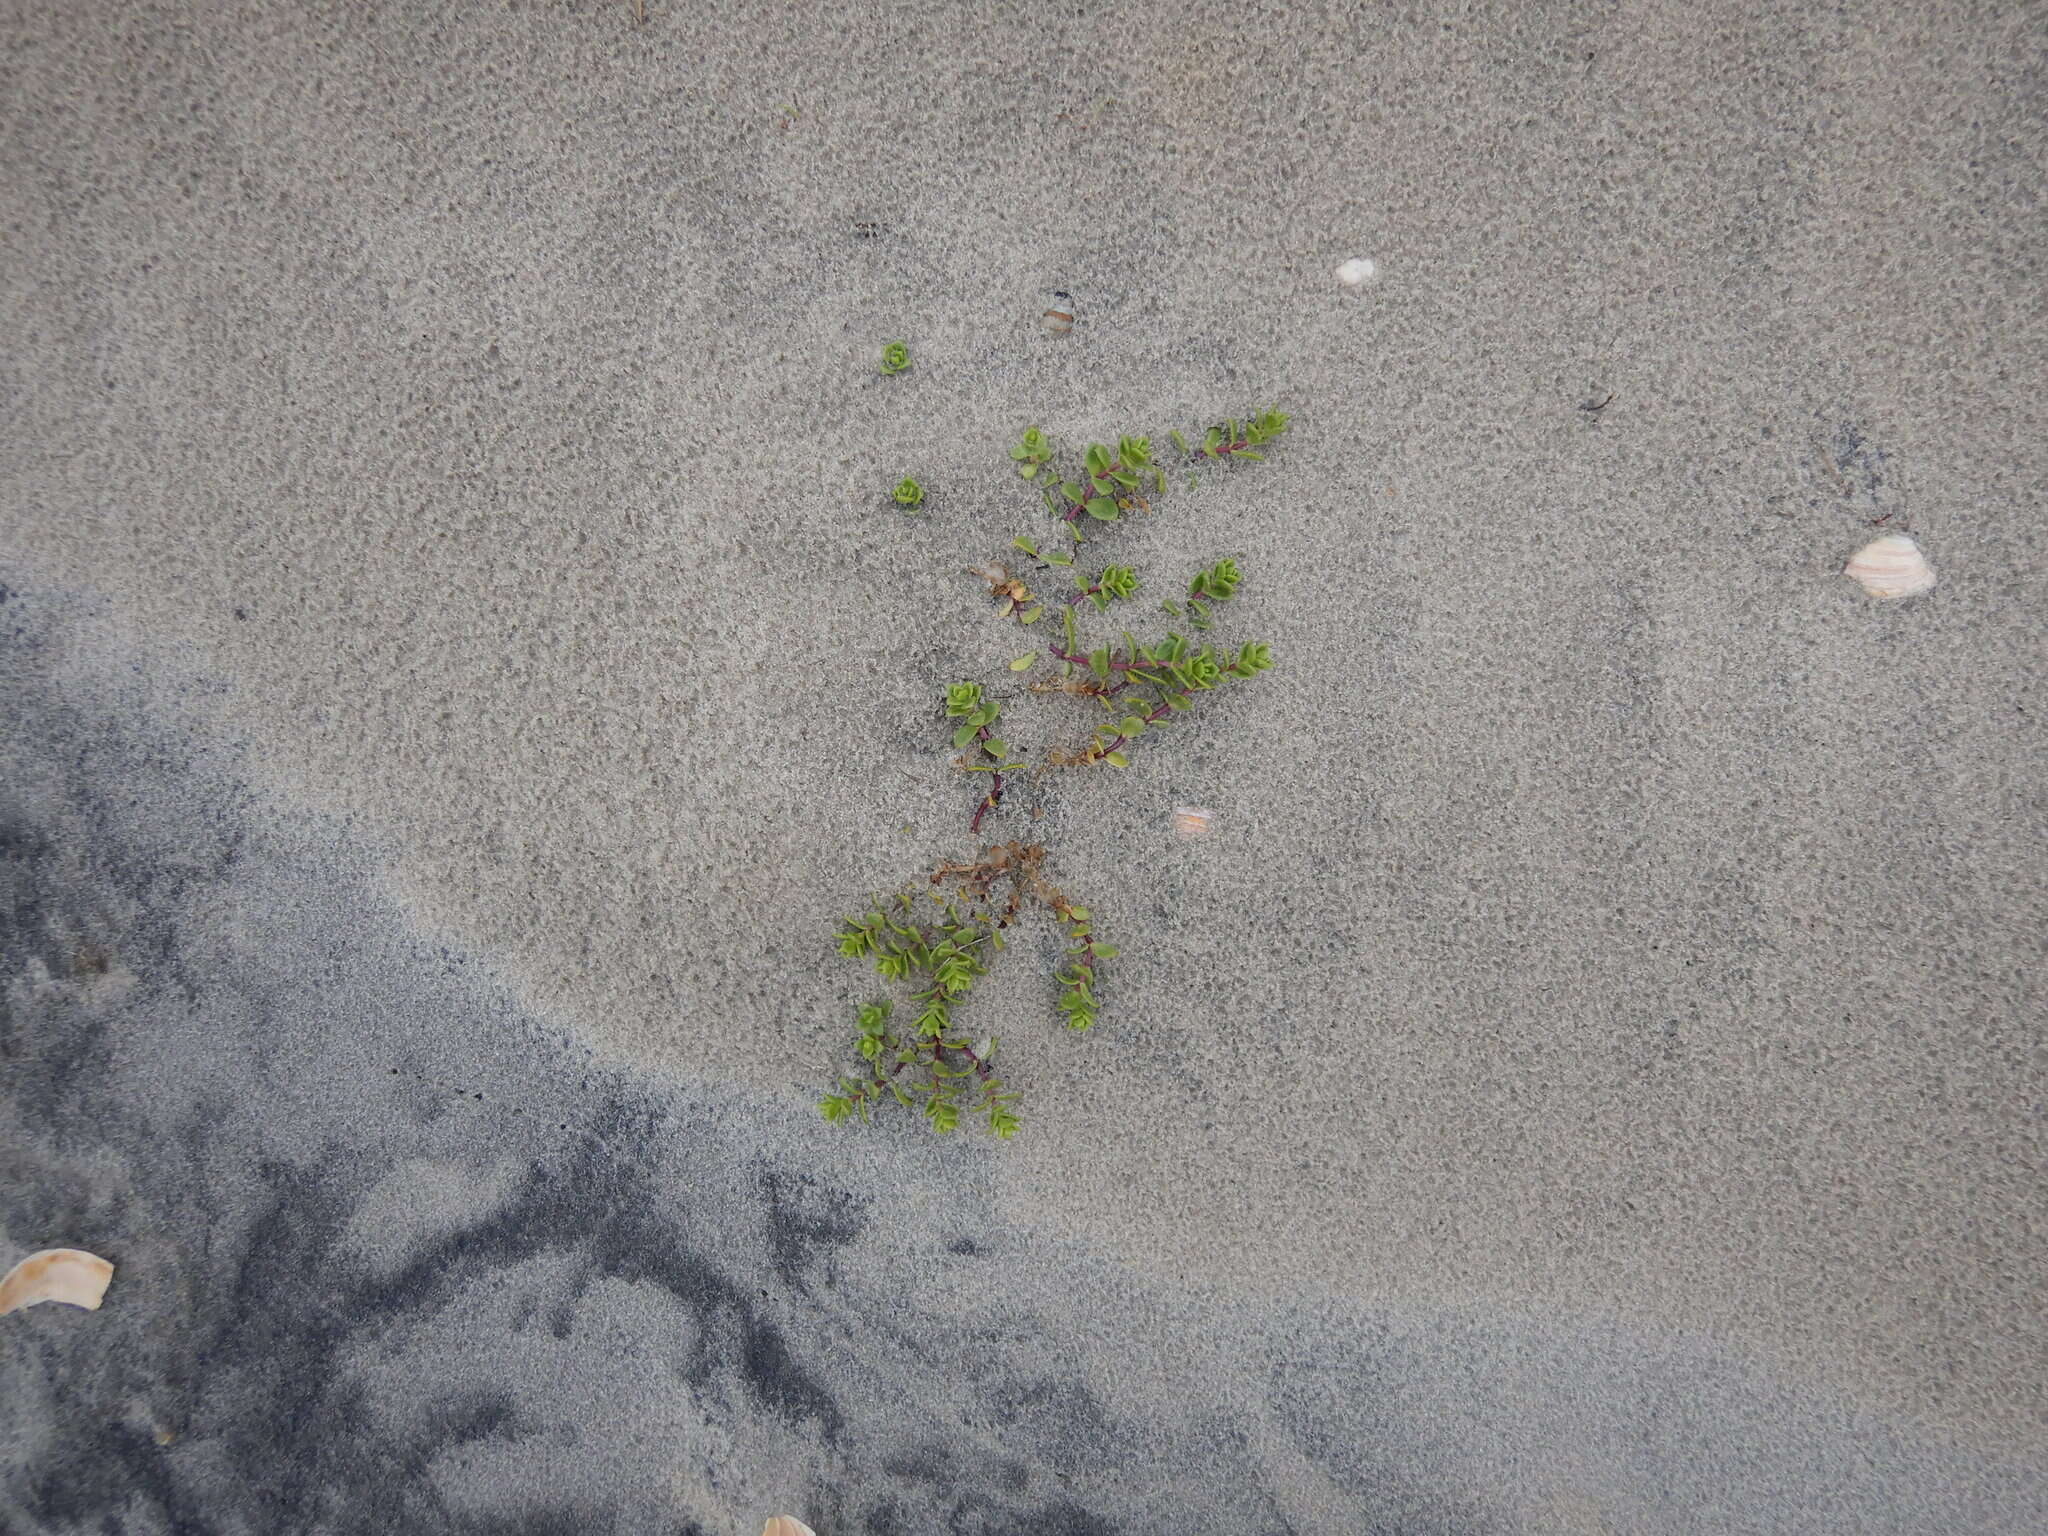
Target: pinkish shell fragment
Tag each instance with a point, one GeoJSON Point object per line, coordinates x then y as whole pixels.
{"type": "Point", "coordinates": [1890, 567]}
{"type": "Point", "coordinates": [1191, 821]}
{"type": "Point", "coordinates": [787, 1525]}
{"type": "Point", "coordinates": [69, 1275]}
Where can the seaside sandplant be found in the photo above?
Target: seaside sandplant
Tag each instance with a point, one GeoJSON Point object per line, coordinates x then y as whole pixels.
{"type": "Point", "coordinates": [965, 704]}
{"type": "Point", "coordinates": [908, 494]}
{"type": "Point", "coordinates": [1173, 674]}
{"type": "Point", "coordinates": [895, 358]}
{"type": "Point", "coordinates": [1031, 453]}
{"type": "Point", "coordinates": [928, 1064]}
{"type": "Point", "coordinates": [1113, 481]}
{"type": "Point", "coordinates": [1215, 585]}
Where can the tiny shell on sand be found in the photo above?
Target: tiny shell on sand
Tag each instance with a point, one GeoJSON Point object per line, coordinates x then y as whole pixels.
{"type": "Point", "coordinates": [1890, 567]}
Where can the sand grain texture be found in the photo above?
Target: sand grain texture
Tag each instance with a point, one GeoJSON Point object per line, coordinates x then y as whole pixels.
{"type": "Point", "coordinates": [457, 429]}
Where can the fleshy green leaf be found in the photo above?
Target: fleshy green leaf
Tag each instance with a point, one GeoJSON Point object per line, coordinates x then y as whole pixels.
{"type": "Point", "coordinates": [1117, 758]}
{"type": "Point", "coordinates": [1030, 616]}
{"type": "Point", "coordinates": [1024, 661]}
{"type": "Point", "coordinates": [1102, 509]}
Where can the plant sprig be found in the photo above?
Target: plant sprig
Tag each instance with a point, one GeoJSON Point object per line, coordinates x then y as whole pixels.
{"type": "Point", "coordinates": [1112, 480]}
{"type": "Point", "coordinates": [928, 1064]}
{"type": "Point", "coordinates": [1032, 453]}
{"type": "Point", "coordinates": [1217, 584]}
{"type": "Point", "coordinates": [1171, 670]}
{"type": "Point", "coordinates": [895, 358]}
{"type": "Point", "coordinates": [965, 703]}
{"type": "Point", "coordinates": [942, 958]}
{"type": "Point", "coordinates": [1114, 582]}
{"type": "Point", "coordinates": [1235, 439]}
{"type": "Point", "coordinates": [908, 494]}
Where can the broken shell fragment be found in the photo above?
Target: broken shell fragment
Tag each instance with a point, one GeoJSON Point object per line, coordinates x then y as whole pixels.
{"type": "Point", "coordinates": [1358, 271]}
{"type": "Point", "coordinates": [1191, 821]}
{"type": "Point", "coordinates": [1890, 567]}
{"type": "Point", "coordinates": [787, 1525]}
{"type": "Point", "coordinates": [69, 1275]}
{"type": "Point", "coordinates": [1058, 321]}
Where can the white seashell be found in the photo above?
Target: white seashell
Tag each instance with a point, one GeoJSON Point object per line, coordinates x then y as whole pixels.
{"type": "Point", "coordinates": [1191, 821]}
{"type": "Point", "coordinates": [1358, 271]}
{"type": "Point", "coordinates": [787, 1525]}
{"type": "Point", "coordinates": [1890, 567]}
{"type": "Point", "coordinates": [69, 1275]}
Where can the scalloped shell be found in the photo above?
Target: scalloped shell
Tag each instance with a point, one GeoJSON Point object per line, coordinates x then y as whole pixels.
{"type": "Point", "coordinates": [787, 1525]}
{"type": "Point", "coordinates": [69, 1275]}
{"type": "Point", "coordinates": [1890, 567]}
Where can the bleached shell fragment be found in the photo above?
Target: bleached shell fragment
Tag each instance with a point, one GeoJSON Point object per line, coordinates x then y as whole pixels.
{"type": "Point", "coordinates": [1358, 271]}
{"type": "Point", "coordinates": [69, 1275]}
{"type": "Point", "coordinates": [787, 1525]}
{"type": "Point", "coordinates": [1890, 567]}
{"type": "Point", "coordinates": [1191, 821]}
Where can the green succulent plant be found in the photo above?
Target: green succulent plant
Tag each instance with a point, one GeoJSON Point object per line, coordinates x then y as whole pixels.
{"type": "Point", "coordinates": [908, 494]}
{"type": "Point", "coordinates": [931, 1067]}
{"type": "Point", "coordinates": [1114, 481]}
{"type": "Point", "coordinates": [928, 1064]}
{"type": "Point", "coordinates": [895, 358]}
{"type": "Point", "coordinates": [1031, 453]}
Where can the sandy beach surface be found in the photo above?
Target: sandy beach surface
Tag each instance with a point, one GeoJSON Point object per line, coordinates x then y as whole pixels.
{"type": "Point", "coordinates": [459, 659]}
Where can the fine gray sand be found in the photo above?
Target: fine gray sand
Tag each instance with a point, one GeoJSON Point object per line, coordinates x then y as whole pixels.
{"type": "Point", "coordinates": [458, 642]}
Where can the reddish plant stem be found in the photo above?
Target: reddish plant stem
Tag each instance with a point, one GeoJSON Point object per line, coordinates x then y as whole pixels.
{"type": "Point", "coordinates": [993, 798]}
{"type": "Point", "coordinates": [1157, 711]}
{"type": "Point", "coordinates": [1076, 508]}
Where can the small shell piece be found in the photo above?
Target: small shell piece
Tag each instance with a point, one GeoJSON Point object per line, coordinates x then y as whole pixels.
{"type": "Point", "coordinates": [1890, 567]}
{"type": "Point", "coordinates": [69, 1275]}
{"type": "Point", "coordinates": [787, 1525]}
{"type": "Point", "coordinates": [1058, 321]}
{"type": "Point", "coordinates": [1191, 821]}
{"type": "Point", "coordinates": [1358, 271]}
